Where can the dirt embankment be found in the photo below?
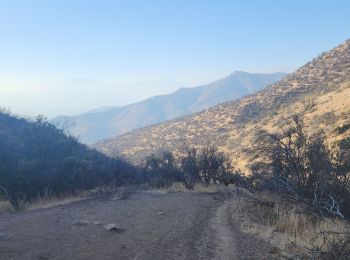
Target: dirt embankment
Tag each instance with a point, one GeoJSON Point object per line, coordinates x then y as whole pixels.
{"type": "Point", "coordinates": [149, 226]}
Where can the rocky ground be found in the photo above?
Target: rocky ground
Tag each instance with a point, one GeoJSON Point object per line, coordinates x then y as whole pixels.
{"type": "Point", "coordinates": [148, 225]}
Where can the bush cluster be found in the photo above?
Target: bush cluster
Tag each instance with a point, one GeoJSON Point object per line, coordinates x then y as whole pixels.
{"type": "Point", "coordinates": [305, 167]}
{"type": "Point", "coordinates": [206, 165]}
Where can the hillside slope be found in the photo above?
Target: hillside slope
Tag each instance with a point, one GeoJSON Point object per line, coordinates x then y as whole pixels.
{"type": "Point", "coordinates": [37, 160]}
{"type": "Point", "coordinates": [110, 122]}
{"type": "Point", "coordinates": [320, 90]}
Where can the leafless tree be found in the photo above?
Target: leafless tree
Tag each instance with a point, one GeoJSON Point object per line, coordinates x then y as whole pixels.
{"type": "Point", "coordinates": [189, 167]}
{"type": "Point", "coordinates": [305, 167]}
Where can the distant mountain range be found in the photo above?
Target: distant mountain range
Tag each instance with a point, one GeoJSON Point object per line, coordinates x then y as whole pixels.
{"type": "Point", "coordinates": [319, 91]}
{"type": "Point", "coordinates": [79, 95]}
{"type": "Point", "coordinates": [109, 122]}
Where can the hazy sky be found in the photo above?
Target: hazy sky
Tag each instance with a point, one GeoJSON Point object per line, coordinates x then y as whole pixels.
{"type": "Point", "coordinates": [44, 43]}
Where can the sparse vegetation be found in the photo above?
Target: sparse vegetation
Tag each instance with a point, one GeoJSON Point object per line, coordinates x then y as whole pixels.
{"type": "Point", "coordinates": [309, 181]}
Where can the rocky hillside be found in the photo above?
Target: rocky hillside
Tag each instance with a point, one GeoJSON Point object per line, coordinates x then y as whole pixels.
{"type": "Point", "coordinates": [320, 90]}
{"type": "Point", "coordinates": [113, 121]}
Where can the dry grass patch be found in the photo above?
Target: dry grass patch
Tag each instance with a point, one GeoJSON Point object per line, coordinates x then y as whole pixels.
{"type": "Point", "coordinates": [287, 226]}
{"type": "Point", "coordinates": [180, 187]}
{"type": "Point", "coordinates": [212, 188]}
{"type": "Point", "coordinates": [47, 202]}
{"type": "Point", "coordinates": [44, 202]}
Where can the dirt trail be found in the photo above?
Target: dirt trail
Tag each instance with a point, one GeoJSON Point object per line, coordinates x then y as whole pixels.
{"type": "Point", "coordinates": [151, 226]}
{"type": "Point", "coordinates": [224, 233]}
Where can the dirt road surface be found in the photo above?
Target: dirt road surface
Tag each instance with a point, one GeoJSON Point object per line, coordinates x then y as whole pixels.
{"type": "Point", "coordinates": [148, 226]}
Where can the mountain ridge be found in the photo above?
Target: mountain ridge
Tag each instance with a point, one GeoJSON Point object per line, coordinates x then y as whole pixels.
{"type": "Point", "coordinates": [110, 122]}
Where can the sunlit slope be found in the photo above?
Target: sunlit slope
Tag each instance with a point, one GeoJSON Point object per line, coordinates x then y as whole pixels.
{"type": "Point", "coordinates": [320, 90]}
